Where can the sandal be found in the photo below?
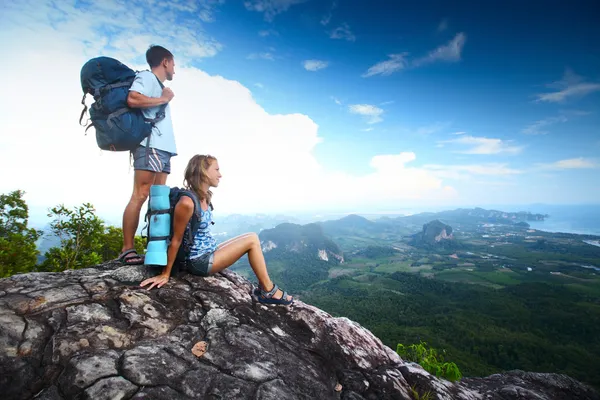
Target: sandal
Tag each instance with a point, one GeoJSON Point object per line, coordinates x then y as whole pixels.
{"type": "Point", "coordinates": [133, 259]}
{"type": "Point", "coordinates": [267, 297]}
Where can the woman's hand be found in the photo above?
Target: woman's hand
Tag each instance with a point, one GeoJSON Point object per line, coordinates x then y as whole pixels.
{"type": "Point", "coordinates": [158, 281]}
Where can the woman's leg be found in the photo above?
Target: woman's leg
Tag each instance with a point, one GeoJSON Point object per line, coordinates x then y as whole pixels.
{"type": "Point", "coordinates": [225, 243]}
{"type": "Point", "coordinates": [234, 249]}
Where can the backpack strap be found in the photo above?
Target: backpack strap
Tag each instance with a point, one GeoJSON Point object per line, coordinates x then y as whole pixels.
{"type": "Point", "coordinates": [84, 109]}
{"type": "Point", "coordinates": [196, 216]}
{"type": "Point", "coordinates": [160, 115]}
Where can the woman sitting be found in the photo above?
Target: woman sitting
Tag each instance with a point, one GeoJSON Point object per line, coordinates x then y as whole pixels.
{"type": "Point", "coordinates": [206, 257]}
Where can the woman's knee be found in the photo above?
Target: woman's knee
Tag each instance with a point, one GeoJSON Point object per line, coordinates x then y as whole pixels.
{"type": "Point", "coordinates": [254, 239]}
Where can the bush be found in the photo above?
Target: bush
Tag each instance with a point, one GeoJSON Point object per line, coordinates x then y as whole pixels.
{"type": "Point", "coordinates": [430, 360]}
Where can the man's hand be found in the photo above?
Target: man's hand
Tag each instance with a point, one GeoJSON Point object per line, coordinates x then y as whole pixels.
{"type": "Point", "coordinates": [158, 281]}
{"type": "Point", "coordinates": [167, 94]}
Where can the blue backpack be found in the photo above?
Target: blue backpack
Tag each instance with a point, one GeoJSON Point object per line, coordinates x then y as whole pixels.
{"type": "Point", "coordinates": [118, 127]}
{"type": "Point", "coordinates": [187, 241]}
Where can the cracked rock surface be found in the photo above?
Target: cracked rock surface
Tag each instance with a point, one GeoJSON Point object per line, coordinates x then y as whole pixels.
{"type": "Point", "coordinates": [95, 334]}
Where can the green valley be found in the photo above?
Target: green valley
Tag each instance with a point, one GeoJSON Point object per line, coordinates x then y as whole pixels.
{"type": "Point", "coordinates": [496, 296]}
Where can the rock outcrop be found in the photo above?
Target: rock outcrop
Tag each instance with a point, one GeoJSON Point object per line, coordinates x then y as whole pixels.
{"type": "Point", "coordinates": [95, 334]}
{"type": "Point", "coordinates": [434, 233]}
{"type": "Point", "coordinates": [308, 240]}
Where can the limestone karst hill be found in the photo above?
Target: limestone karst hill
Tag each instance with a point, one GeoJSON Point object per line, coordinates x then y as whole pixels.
{"type": "Point", "coordinates": [95, 334]}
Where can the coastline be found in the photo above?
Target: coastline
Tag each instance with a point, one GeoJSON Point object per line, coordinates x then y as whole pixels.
{"type": "Point", "coordinates": [562, 228]}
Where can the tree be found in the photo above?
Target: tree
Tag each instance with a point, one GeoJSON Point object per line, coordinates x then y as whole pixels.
{"type": "Point", "coordinates": [112, 243]}
{"type": "Point", "coordinates": [18, 252]}
{"type": "Point", "coordinates": [81, 234]}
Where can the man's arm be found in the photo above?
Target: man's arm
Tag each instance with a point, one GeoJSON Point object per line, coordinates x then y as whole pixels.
{"type": "Point", "coordinates": [138, 100]}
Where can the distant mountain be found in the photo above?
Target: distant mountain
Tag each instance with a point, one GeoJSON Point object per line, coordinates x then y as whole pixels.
{"type": "Point", "coordinates": [473, 216]}
{"type": "Point", "coordinates": [376, 251]}
{"type": "Point", "coordinates": [46, 242]}
{"type": "Point", "coordinates": [433, 233]}
{"type": "Point", "coordinates": [306, 239]}
{"type": "Point", "coordinates": [350, 224]}
{"type": "Point", "coordinates": [236, 224]}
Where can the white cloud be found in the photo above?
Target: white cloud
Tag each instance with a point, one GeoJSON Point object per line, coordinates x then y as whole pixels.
{"type": "Point", "coordinates": [367, 129]}
{"type": "Point", "coordinates": [268, 32]}
{"type": "Point", "coordinates": [205, 8]}
{"type": "Point", "coordinates": [443, 25]}
{"type": "Point", "coordinates": [211, 114]}
{"type": "Point", "coordinates": [571, 163]}
{"type": "Point", "coordinates": [372, 112]}
{"type": "Point", "coordinates": [336, 100]}
{"type": "Point", "coordinates": [393, 179]}
{"type": "Point", "coordinates": [450, 52]}
{"type": "Point", "coordinates": [259, 85]}
{"type": "Point", "coordinates": [342, 32]}
{"type": "Point", "coordinates": [537, 128]}
{"type": "Point", "coordinates": [395, 63]}
{"type": "Point", "coordinates": [263, 56]}
{"type": "Point", "coordinates": [314, 65]}
{"type": "Point", "coordinates": [464, 172]}
{"type": "Point", "coordinates": [433, 128]}
{"type": "Point", "coordinates": [572, 85]}
{"type": "Point", "coordinates": [459, 133]}
{"type": "Point", "coordinates": [575, 113]}
{"type": "Point", "coordinates": [325, 20]}
{"type": "Point", "coordinates": [270, 8]}
{"type": "Point", "coordinates": [483, 145]}
{"type": "Point", "coordinates": [105, 27]}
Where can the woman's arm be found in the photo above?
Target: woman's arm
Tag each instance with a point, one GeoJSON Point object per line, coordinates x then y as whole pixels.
{"type": "Point", "coordinates": [183, 212]}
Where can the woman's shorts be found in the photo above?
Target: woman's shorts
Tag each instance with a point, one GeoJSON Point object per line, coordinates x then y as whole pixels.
{"type": "Point", "coordinates": [201, 265]}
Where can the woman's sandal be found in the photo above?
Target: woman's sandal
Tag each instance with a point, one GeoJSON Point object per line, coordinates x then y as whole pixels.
{"type": "Point", "coordinates": [267, 297]}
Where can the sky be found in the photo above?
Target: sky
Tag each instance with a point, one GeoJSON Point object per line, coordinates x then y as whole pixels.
{"type": "Point", "coordinates": [317, 105]}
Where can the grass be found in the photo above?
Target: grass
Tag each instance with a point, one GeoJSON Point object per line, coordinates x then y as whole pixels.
{"type": "Point", "coordinates": [499, 277]}
{"type": "Point", "coordinates": [457, 275]}
{"type": "Point", "coordinates": [403, 266]}
{"type": "Point", "coordinates": [335, 272]}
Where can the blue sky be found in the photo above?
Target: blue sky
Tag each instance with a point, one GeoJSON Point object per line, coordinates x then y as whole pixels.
{"type": "Point", "coordinates": [487, 88]}
{"type": "Point", "coordinates": [431, 104]}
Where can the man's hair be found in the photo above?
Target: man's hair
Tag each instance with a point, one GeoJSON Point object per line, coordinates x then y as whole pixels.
{"type": "Point", "coordinates": [156, 54]}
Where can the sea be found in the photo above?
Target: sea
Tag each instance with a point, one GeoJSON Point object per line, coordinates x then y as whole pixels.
{"type": "Point", "coordinates": [579, 219]}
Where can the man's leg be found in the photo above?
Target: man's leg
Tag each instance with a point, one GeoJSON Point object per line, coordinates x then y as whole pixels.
{"type": "Point", "coordinates": [141, 189]}
{"type": "Point", "coordinates": [150, 169]}
{"type": "Point", "coordinates": [161, 178]}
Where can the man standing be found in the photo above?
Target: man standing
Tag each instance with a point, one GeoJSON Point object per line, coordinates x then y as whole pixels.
{"type": "Point", "coordinates": [152, 161]}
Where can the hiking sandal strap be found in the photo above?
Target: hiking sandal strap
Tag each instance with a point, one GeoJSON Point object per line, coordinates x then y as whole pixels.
{"type": "Point", "coordinates": [270, 294]}
{"type": "Point", "coordinates": [126, 252]}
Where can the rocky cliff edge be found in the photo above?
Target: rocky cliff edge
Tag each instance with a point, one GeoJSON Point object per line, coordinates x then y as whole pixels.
{"type": "Point", "coordinates": [95, 334]}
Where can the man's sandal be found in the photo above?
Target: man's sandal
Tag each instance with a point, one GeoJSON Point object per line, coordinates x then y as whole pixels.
{"type": "Point", "coordinates": [267, 297]}
{"type": "Point", "coordinates": [133, 259]}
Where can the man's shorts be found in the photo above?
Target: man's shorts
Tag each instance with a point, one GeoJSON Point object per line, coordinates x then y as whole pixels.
{"type": "Point", "coordinates": [155, 161]}
{"type": "Point", "coordinates": [201, 265]}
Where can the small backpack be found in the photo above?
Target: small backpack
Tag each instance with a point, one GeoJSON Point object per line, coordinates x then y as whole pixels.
{"type": "Point", "coordinates": [118, 127]}
{"type": "Point", "coordinates": [187, 241]}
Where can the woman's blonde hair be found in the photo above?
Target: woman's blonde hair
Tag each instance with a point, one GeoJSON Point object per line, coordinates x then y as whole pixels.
{"type": "Point", "coordinates": [195, 175]}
